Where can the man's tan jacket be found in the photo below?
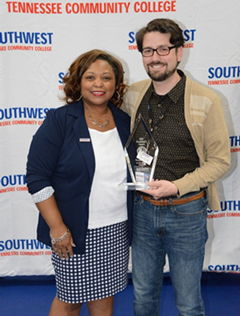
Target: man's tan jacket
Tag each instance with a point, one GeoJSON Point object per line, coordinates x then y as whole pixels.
{"type": "Point", "coordinates": [206, 122]}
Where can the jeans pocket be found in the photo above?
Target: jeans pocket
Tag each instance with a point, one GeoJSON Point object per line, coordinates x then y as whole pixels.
{"type": "Point", "coordinates": [192, 208]}
{"type": "Point", "coordinates": [137, 199]}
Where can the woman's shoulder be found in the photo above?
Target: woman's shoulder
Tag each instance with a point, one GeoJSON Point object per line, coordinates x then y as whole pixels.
{"type": "Point", "coordinates": [118, 111]}
{"type": "Point", "coordinates": [60, 110]}
{"type": "Point", "coordinates": [63, 110]}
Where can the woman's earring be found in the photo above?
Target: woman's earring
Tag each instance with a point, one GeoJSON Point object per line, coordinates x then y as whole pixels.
{"type": "Point", "coordinates": [79, 98]}
{"type": "Point", "coordinates": [118, 94]}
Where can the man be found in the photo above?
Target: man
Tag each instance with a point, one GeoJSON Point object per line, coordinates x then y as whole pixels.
{"type": "Point", "coordinates": [187, 122]}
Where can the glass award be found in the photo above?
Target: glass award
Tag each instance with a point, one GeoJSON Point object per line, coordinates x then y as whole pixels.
{"type": "Point", "coordinates": [146, 152]}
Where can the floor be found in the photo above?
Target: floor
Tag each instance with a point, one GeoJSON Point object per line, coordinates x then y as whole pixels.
{"type": "Point", "coordinates": [32, 296]}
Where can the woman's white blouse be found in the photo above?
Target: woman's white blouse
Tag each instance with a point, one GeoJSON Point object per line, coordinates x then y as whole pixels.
{"type": "Point", "coordinates": [108, 197]}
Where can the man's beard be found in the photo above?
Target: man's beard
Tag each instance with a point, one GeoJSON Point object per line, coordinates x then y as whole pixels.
{"type": "Point", "coordinates": [162, 76]}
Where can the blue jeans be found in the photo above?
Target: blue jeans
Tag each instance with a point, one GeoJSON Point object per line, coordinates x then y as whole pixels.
{"type": "Point", "coordinates": [181, 233]}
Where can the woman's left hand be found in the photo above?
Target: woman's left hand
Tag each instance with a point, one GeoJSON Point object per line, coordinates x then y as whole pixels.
{"type": "Point", "coordinates": [64, 248]}
{"type": "Point", "coordinates": [161, 188]}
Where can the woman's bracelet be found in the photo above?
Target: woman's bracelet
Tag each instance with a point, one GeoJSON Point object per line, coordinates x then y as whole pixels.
{"type": "Point", "coordinates": [54, 240]}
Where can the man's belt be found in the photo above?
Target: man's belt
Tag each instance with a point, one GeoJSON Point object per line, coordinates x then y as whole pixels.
{"type": "Point", "coordinates": [166, 202]}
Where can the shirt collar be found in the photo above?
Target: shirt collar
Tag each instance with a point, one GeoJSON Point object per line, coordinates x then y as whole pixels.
{"type": "Point", "coordinates": [173, 94]}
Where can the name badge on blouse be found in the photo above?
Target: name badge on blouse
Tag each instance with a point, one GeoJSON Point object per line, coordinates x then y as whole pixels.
{"type": "Point", "coordinates": [84, 140]}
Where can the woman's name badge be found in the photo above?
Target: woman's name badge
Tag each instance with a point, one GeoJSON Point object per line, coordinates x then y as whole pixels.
{"type": "Point", "coordinates": [84, 140]}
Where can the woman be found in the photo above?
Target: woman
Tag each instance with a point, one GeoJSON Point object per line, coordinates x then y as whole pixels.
{"type": "Point", "coordinates": [76, 172]}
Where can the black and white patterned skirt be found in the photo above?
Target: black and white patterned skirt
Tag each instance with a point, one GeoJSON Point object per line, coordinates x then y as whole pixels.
{"type": "Point", "coordinates": [100, 272]}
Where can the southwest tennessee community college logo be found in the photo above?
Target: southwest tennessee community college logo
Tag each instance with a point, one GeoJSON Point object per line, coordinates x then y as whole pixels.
{"type": "Point", "coordinates": [235, 143]}
{"type": "Point", "coordinates": [95, 7]}
{"type": "Point", "coordinates": [12, 183]}
{"type": "Point", "coordinates": [22, 116]}
{"type": "Point", "coordinates": [189, 37]}
{"type": "Point", "coordinates": [225, 267]}
{"type": "Point", "coordinates": [31, 41]}
{"type": "Point", "coordinates": [224, 75]}
{"type": "Point", "coordinates": [229, 208]}
{"type": "Point", "coordinates": [60, 80]}
{"type": "Point", "coordinates": [23, 247]}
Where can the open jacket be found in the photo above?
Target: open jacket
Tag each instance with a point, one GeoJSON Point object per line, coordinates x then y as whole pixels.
{"type": "Point", "coordinates": [61, 155]}
{"type": "Point", "coordinates": [206, 122]}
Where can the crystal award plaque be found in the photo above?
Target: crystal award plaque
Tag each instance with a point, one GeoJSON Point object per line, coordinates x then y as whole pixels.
{"type": "Point", "coordinates": [142, 169]}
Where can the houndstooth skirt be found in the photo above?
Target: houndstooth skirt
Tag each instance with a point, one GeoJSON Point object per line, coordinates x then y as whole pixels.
{"type": "Point", "coordinates": [100, 272]}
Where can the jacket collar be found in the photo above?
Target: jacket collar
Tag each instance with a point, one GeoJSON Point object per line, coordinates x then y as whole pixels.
{"type": "Point", "coordinates": [81, 131]}
{"type": "Point", "coordinates": [77, 109]}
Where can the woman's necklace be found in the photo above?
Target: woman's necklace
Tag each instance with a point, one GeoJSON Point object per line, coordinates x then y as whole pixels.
{"type": "Point", "coordinates": [95, 122]}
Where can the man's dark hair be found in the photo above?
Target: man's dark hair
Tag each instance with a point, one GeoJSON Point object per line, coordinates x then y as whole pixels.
{"type": "Point", "coordinates": [163, 26]}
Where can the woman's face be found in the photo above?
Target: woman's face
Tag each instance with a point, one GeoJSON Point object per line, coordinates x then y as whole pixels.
{"type": "Point", "coordinates": [98, 84]}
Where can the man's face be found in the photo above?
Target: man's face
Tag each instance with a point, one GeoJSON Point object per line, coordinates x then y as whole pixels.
{"type": "Point", "coordinates": [160, 68]}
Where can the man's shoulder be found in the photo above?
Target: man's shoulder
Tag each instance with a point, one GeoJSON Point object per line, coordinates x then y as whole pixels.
{"type": "Point", "coordinates": [197, 88]}
{"type": "Point", "coordinates": [139, 85]}
{"type": "Point", "coordinates": [120, 113]}
{"type": "Point", "coordinates": [134, 94]}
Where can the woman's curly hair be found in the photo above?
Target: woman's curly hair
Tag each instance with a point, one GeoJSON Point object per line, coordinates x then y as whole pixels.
{"type": "Point", "coordinates": [72, 79]}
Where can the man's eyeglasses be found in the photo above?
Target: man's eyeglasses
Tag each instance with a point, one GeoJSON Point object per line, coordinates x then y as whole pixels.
{"type": "Point", "coordinates": [161, 51]}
